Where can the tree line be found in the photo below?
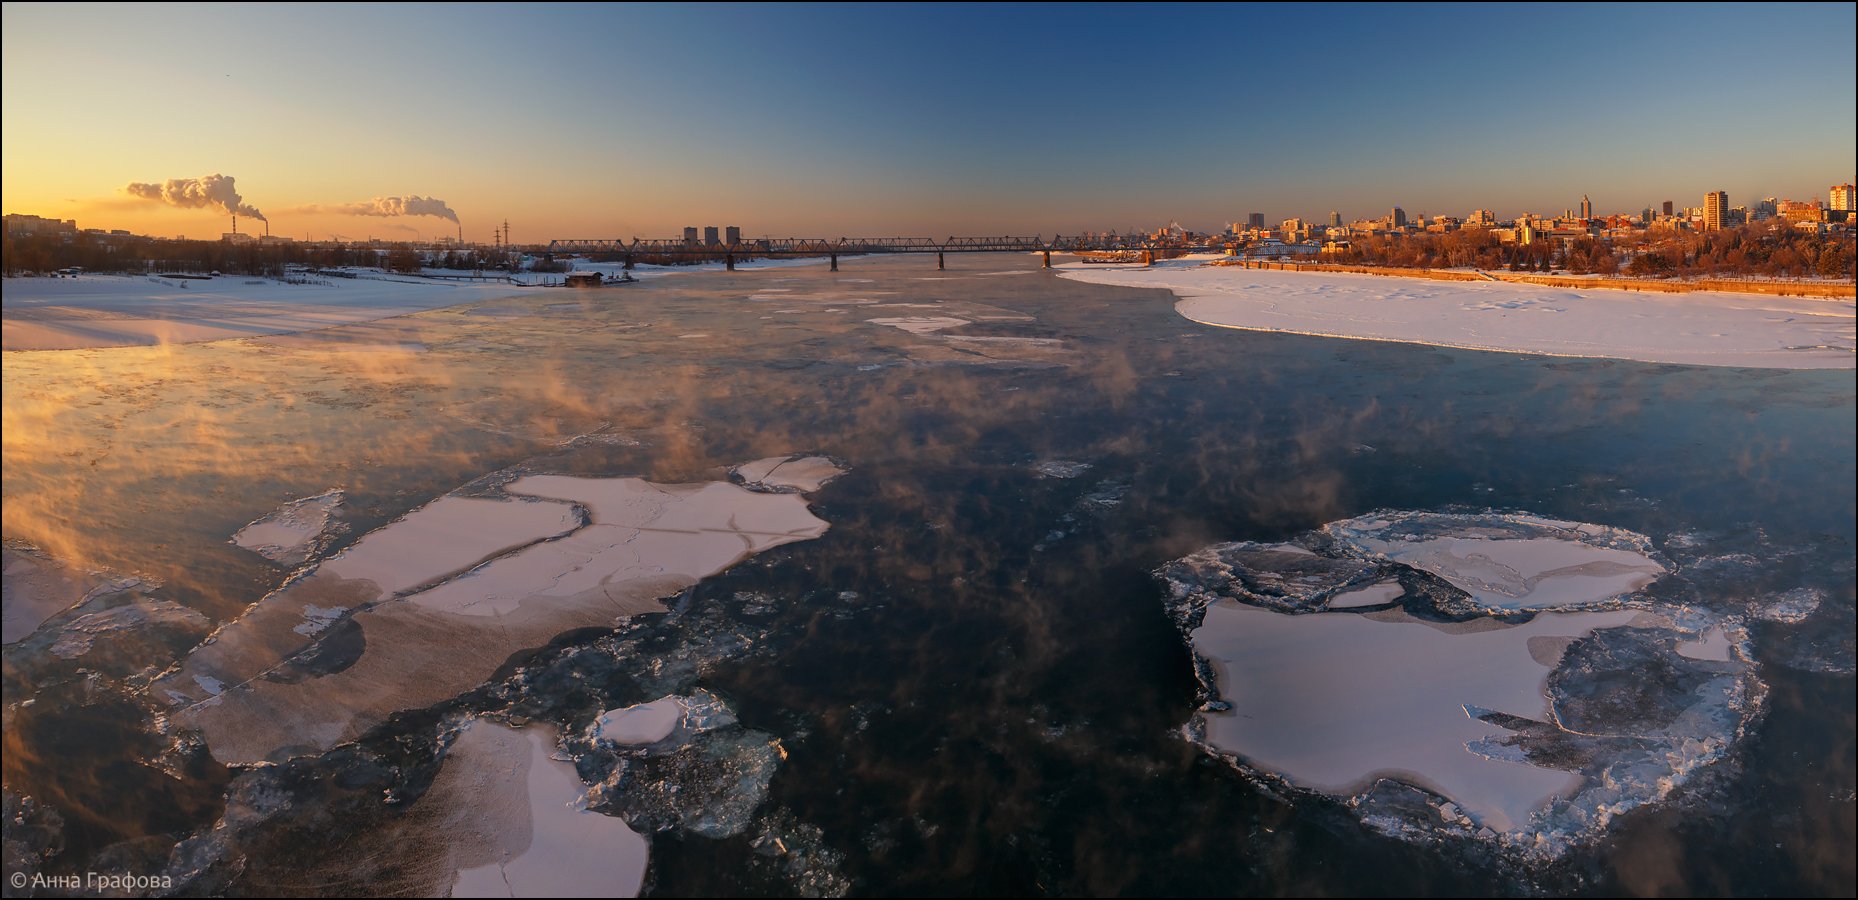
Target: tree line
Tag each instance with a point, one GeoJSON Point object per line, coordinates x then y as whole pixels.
{"type": "Point", "coordinates": [39, 253]}
{"type": "Point", "coordinates": [1771, 249]}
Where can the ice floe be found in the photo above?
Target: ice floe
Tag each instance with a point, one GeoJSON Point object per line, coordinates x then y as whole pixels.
{"type": "Point", "coordinates": [509, 793]}
{"type": "Point", "coordinates": [920, 324]}
{"type": "Point", "coordinates": [1533, 729]}
{"type": "Point", "coordinates": [432, 604]}
{"type": "Point", "coordinates": [293, 533]}
{"type": "Point", "coordinates": [142, 619]}
{"type": "Point", "coordinates": [640, 723]}
{"type": "Point", "coordinates": [37, 587]}
{"type": "Point", "coordinates": [1061, 468]}
{"type": "Point", "coordinates": [1508, 562]}
{"type": "Point", "coordinates": [788, 473]}
{"type": "Point", "coordinates": [1376, 594]}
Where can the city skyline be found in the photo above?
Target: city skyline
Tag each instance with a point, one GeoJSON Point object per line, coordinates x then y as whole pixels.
{"type": "Point", "coordinates": [606, 122]}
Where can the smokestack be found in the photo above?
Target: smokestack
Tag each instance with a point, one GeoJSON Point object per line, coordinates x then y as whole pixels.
{"type": "Point", "coordinates": [235, 223]}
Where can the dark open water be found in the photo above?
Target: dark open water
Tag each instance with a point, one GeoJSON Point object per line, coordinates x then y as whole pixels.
{"type": "Point", "coordinates": [972, 674]}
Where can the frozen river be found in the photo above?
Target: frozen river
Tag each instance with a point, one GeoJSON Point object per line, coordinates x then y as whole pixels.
{"type": "Point", "coordinates": [794, 581]}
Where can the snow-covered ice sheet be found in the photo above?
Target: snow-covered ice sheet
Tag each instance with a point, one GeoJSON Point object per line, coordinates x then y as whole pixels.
{"type": "Point", "coordinates": [1696, 328]}
{"type": "Point", "coordinates": [124, 311]}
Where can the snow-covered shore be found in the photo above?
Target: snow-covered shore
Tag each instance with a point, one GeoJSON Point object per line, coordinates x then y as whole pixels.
{"type": "Point", "coordinates": [1698, 328]}
{"type": "Point", "coordinates": [93, 311]}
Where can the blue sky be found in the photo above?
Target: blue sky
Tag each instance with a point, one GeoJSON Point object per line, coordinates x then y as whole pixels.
{"type": "Point", "coordinates": [593, 120]}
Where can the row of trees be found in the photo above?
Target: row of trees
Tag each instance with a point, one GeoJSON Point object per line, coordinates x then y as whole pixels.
{"type": "Point", "coordinates": [1769, 249]}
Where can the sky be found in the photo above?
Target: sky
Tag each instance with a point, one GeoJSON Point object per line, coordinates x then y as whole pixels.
{"type": "Point", "coordinates": [615, 121]}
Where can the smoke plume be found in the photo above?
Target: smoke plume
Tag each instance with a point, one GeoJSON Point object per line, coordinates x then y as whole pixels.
{"type": "Point", "coordinates": [209, 192]}
{"type": "Point", "coordinates": [396, 206]}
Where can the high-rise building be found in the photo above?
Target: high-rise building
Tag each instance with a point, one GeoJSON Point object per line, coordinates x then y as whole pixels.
{"type": "Point", "coordinates": [710, 238]}
{"type": "Point", "coordinates": [1667, 207]}
{"type": "Point", "coordinates": [1398, 218]}
{"type": "Point", "coordinates": [1715, 210]}
{"type": "Point", "coordinates": [690, 234]}
{"type": "Point", "coordinates": [1586, 207]}
{"type": "Point", "coordinates": [1255, 220]}
{"type": "Point", "coordinates": [1335, 218]}
{"type": "Point", "coordinates": [1841, 198]}
{"type": "Point", "coordinates": [732, 235]}
{"type": "Point", "coordinates": [1482, 218]}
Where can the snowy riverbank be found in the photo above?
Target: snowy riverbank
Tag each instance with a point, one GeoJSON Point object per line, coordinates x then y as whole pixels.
{"type": "Point", "coordinates": [1699, 328]}
{"type": "Point", "coordinates": [93, 311]}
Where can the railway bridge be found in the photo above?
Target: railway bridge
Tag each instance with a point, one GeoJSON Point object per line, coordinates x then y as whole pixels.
{"type": "Point", "coordinates": [631, 251]}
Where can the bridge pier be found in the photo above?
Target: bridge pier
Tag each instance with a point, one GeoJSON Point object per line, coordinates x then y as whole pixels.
{"type": "Point", "coordinates": [628, 264]}
{"type": "Point", "coordinates": [939, 263]}
{"type": "Point", "coordinates": [1148, 257]}
{"type": "Point", "coordinates": [1048, 259]}
{"type": "Point", "coordinates": [835, 261]}
{"type": "Point", "coordinates": [729, 261]}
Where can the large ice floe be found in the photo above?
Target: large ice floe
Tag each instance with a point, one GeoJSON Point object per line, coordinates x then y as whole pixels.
{"type": "Point", "coordinates": [1498, 675]}
{"type": "Point", "coordinates": [433, 604]}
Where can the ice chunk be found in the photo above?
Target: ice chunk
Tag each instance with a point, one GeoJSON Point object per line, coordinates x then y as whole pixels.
{"type": "Point", "coordinates": [1713, 644]}
{"type": "Point", "coordinates": [1281, 576]}
{"type": "Point", "coordinates": [920, 324]}
{"type": "Point", "coordinates": [1375, 594]}
{"type": "Point", "coordinates": [506, 789]}
{"type": "Point", "coordinates": [122, 628]}
{"type": "Point", "coordinates": [796, 473]}
{"type": "Point", "coordinates": [1506, 561]}
{"type": "Point", "coordinates": [641, 723]}
{"type": "Point", "coordinates": [1789, 608]}
{"type": "Point", "coordinates": [35, 587]}
{"type": "Point", "coordinates": [293, 533]}
{"type": "Point", "coordinates": [1061, 468]}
